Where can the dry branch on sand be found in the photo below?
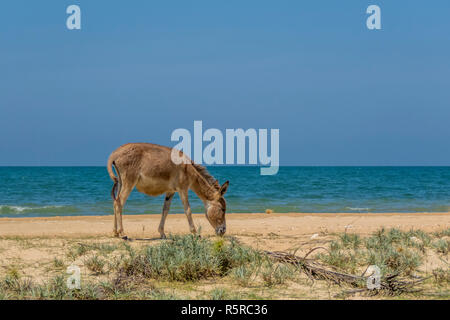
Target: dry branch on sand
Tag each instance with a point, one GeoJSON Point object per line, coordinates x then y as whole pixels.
{"type": "Point", "coordinates": [390, 285]}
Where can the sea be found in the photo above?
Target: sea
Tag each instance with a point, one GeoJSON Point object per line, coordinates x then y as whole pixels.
{"type": "Point", "coordinates": [72, 191]}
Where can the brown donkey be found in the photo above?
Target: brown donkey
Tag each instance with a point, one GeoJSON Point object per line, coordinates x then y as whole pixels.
{"type": "Point", "coordinates": [149, 168]}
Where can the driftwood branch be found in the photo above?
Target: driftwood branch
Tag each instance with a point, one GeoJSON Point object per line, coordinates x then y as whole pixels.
{"type": "Point", "coordinates": [391, 284]}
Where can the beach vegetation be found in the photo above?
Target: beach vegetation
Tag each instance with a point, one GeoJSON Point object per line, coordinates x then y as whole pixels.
{"type": "Point", "coordinates": [191, 266]}
{"type": "Point", "coordinates": [58, 263]}
{"type": "Point", "coordinates": [350, 240]}
{"type": "Point", "coordinates": [441, 276]}
{"type": "Point", "coordinates": [218, 294]}
{"type": "Point", "coordinates": [77, 250]}
{"type": "Point", "coordinates": [442, 233]}
{"type": "Point", "coordinates": [242, 275]}
{"type": "Point", "coordinates": [95, 264]}
{"type": "Point", "coordinates": [276, 273]}
{"type": "Point", "coordinates": [186, 258]}
{"type": "Point", "coordinates": [393, 251]}
{"type": "Point", "coordinates": [442, 246]}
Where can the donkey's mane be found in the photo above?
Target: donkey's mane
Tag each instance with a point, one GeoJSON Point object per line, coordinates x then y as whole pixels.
{"type": "Point", "coordinates": [205, 174]}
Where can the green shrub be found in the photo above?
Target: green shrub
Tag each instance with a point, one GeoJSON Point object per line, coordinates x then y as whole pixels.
{"type": "Point", "coordinates": [441, 276]}
{"type": "Point", "coordinates": [242, 274]}
{"type": "Point", "coordinates": [350, 240]}
{"type": "Point", "coordinates": [218, 294]}
{"type": "Point", "coordinates": [393, 251]}
{"type": "Point", "coordinates": [275, 274]}
{"type": "Point", "coordinates": [187, 258]}
{"type": "Point", "coordinates": [442, 246]}
{"type": "Point", "coordinates": [95, 264]}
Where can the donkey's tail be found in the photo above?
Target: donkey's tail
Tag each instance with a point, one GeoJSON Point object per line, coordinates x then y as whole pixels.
{"type": "Point", "coordinates": [115, 191]}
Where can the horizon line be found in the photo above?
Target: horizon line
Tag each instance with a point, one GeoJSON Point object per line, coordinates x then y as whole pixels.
{"type": "Point", "coordinates": [226, 166]}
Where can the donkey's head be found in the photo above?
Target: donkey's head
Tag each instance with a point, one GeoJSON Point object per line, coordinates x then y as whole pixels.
{"type": "Point", "coordinates": [215, 210]}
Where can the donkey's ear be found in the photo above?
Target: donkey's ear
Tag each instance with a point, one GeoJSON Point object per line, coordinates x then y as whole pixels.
{"type": "Point", "coordinates": [224, 188]}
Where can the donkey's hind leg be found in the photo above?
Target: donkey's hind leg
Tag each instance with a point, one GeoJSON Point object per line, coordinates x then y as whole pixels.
{"type": "Point", "coordinates": [166, 207]}
{"type": "Point", "coordinates": [118, 207]}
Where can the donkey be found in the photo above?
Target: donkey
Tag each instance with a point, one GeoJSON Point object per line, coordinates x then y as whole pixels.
{"type": "Point", "coordinates": [151, 169]}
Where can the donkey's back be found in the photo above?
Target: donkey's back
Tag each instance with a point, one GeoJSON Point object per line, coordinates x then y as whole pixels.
{"type": "Point", "coordinates": [148, 165]}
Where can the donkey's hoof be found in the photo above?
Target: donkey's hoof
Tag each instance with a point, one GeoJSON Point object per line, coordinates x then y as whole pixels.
{"type": "Point", "coordinates": [163, 236]}
{"type": "Point", "coordinates": [125, 238]}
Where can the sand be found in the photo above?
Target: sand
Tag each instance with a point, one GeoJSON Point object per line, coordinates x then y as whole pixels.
{"type": "Point", "coordinates": [257, 224]}
{"type": "Point", "coordinates": [32, 245]}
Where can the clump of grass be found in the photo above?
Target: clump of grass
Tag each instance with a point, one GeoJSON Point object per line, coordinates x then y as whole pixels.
{"type": "Point", "coordinates": [58, 263]}
{"type": "Point", "coordinates": [336, 245]}
{"type": "Point", "coordinates": [103, 248]}
{"type": "Point", "coordinates": [56, 289]}
{"type": "Point", "coordinates": [118, 287]}
{"type": "Point", "coordinates": [4, 296]}
{"type": "Point", "coordinates": [345, 260]}
{"type": "Point", "coordinates": [13, 272]}
{"type": "Point", "coordinates": [275, 274]}
{"type": "Point", "coordinates": [95, 264]}
{"type": "Point", "coordinates": [77, 251]}
{"type": "Point", "coordinates": [81, 249]}
{"type": "Point", "coordinates": [218, 294]}
{"type": "Point", "coordinates": [187, 258]}
{"type": "Point", "coordinates": [350, 240]}
{"type": "Point", "coordinates": [441, 276]}
{"type": "Point", "coordinates": [442, 246]}
{"type": "Point", "coordinates": [391, 250]}
{"type": "Point", "coordinates": [384, 239]}
{"type": "Point", "coordinates": [418, 239]}
{"type": "Point", "coordinates": [15, 286]}
{"type": "Point", "coordinates": [242, 274]}
{"type": "Point", "coordinates": [423, 236]}
{"type": "Point", "coordinates": [88, 291]}
{"type": "Point", "coordinates": [387, 238]}
{"type": "Point", "coordinates": [443, 233]}
{"type": "Point", "coordinates": [161, 295]}
{"type": "Point", "coordinates": [394, 260]}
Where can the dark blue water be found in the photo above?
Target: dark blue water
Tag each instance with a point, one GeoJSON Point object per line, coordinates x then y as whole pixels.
{"type": "Point", "coordinates": [52, 191]}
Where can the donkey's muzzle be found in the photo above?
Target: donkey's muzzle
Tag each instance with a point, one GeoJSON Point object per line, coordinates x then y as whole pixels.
{"type": "Point", "coordinates": [220, 231]}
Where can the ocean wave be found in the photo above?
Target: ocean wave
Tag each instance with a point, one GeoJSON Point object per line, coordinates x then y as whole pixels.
{"type": "Point", "coordinates": [16, 209]}
{"type": "Point", "coordinates": [357, 209]}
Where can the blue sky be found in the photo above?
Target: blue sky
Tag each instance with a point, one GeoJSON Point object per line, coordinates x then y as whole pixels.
{"type": "Point", "coordinates": [339, 93]}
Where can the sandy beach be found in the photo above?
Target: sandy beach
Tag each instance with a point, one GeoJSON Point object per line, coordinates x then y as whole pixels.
{"type": "Point", "coordinates": [274, 231]}
{"type": "Point", "coordinates": [284, 224]}
{"type": "Point", "coordinates": [40, 248]}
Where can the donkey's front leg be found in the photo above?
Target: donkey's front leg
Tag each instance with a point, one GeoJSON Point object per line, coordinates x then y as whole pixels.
{"type": "Point", "coordinates": [166, 207]}
{"type": "Point", "coordinates": [187, 210]}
